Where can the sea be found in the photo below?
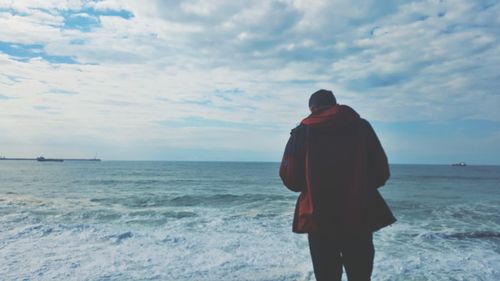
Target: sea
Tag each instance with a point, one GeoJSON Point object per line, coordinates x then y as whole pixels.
{"type": "Point", "coordinates": [179, 221]}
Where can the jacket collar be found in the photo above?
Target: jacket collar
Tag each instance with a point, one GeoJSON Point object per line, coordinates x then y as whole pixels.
{"type": "Point", "coordinates": [332, 116]}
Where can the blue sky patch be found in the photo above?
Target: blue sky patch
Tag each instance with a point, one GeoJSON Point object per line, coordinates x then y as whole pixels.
{"type": "Point", "coordinates": [81, 21]}
{"type": "Point", "coordinates": [21, 50]}
{"type": "Point", "coordinates": [87, 19]}
{"type": "Point", "coordinates": [112, 13]}
{"type": "Point", "coordinates": [25, 52]}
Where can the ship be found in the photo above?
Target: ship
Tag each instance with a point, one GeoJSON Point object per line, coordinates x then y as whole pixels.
{"type": "Point", "coordinates": [461, 164]}
{"type": "Point", "coordinates": [43, 159]}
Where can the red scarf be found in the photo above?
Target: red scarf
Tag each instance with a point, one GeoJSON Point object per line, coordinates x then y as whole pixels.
{"type": "Point", "coordinates": [333, 117]}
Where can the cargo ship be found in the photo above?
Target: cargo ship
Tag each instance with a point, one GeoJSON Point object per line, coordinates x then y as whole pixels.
{"type": "Point", "coordinates": [43, 159]}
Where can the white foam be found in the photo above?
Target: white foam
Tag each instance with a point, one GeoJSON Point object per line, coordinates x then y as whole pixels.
{"type": "Point", "coordinates": [50, 241]}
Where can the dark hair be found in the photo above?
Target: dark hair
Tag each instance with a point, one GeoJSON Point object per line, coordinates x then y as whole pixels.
{"type": "Point", "coordinates": [322, 98]}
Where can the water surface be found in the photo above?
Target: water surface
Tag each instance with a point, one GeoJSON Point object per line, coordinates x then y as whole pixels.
{"type": "Point", "coordinates": [229, 221]}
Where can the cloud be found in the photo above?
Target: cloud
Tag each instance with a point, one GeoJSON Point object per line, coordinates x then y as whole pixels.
{"type": "Point", "coordinates": [41, 107]}
{"type": "Point", "coordinates": [162, 72]}
{"type": "Point", "coordinates": [3, 97]}
{"type": "Point", "coordinates": [56, 91]}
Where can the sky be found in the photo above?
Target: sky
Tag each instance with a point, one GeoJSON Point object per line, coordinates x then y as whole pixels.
{"type": "Point", "coordinates": [226, 80]}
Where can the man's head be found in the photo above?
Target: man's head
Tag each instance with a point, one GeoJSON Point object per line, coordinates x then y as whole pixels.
{"type": "Point", "coordinates": [320, 99]}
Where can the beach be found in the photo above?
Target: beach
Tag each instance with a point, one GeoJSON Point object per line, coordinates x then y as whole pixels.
{"type": "Point", "coordinates": [136, 220]}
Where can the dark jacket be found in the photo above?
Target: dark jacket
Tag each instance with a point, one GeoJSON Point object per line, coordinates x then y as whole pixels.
{"type": "Point", "coordinates": [336, 162]}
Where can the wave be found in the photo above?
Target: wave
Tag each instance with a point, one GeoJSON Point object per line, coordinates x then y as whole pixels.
{"type": "Point", "coordinates": [161, 182]}
{"type": "Point", "coordinates": [474, 235]}
{"type": "Point", "coordinates": [118, 238]}
{"type": "Point", "coordinates": [219, 200]}
{"type": "Point", "coordinates": [486, 234]}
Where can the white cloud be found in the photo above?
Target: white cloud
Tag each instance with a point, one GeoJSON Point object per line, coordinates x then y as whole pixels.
{"type": "Point", "coordinates": [428, 60]}
{"type": "Point", "coordinates": [49, 5]}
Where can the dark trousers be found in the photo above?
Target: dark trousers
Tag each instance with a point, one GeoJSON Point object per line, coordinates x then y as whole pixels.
{"type": "Point", "coordinates": [330, 252]}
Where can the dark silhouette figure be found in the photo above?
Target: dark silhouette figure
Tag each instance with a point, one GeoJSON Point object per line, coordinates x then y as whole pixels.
{"type": "Point", "coordinates": [336, 162]}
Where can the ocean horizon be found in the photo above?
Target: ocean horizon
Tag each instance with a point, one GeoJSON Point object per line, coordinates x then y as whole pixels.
{"type": "Point", "coordinates": [218, 220]}
{"type": "Point", "coordinates": [79, 159]}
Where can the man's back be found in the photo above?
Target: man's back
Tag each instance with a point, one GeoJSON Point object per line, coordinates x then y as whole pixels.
{"type": "Point", "coordinates": [342, 164]}
{"type": "Point", "coordinates": [336, 161]}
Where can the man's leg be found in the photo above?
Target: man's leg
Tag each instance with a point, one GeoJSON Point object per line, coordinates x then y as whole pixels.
{"type": "Point", "coordinates": [325, 254]}
{"type": "Point", "coordinates": [357, 254]}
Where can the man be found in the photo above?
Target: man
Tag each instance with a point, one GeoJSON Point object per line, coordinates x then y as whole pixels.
{"type": "Point", "coordinates": [336, 162]}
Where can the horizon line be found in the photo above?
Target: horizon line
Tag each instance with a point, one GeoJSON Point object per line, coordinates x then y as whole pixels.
{"type": "Point", "coordinates": [222, 161]}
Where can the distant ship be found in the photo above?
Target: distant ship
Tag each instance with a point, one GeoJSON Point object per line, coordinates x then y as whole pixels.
{"type": "Point", "coordinates": [43, 159]}
{"type": "Point", "coordinates": [461, 164]}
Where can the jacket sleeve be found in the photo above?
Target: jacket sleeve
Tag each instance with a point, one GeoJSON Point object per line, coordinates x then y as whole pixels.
{"type": "Point", "coordinates": [292, 168]}
{"type": "Point", "coordinates": [378, 166]}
